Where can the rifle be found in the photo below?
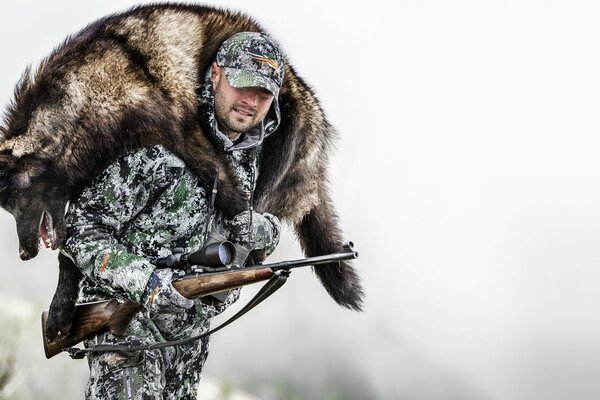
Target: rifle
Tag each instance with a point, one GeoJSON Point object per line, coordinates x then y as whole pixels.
{"type": "Point", "coordinates": [92, 318]}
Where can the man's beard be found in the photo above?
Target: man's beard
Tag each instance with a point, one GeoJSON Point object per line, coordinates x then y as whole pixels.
{"type": "Point", "coordinates": [229, 121]}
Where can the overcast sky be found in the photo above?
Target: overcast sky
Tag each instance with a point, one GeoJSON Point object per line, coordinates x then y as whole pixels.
{"type": "Point", "coordinates": [466, 173]}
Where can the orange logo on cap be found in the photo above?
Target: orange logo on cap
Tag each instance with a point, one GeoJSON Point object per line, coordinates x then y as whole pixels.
{"type": "Point", "coordinates": [271, 63]}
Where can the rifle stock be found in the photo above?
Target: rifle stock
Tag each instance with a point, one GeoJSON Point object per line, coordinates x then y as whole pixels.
{"type": "Point", "coordinates": [92, 318]}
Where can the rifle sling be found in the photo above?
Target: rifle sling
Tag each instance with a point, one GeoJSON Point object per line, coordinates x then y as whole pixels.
{"type": "Point", "coordinates": [272, 285]}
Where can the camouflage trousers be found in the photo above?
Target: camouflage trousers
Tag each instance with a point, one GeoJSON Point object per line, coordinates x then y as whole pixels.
{"type": "Point", "coordinates": [171, 373]}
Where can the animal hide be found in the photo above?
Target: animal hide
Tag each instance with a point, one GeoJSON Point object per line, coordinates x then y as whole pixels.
{"type": "Point", "coordinates": [131, 80]}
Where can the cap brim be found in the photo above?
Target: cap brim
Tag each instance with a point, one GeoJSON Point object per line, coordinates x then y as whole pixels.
{"type": "Point", "coordinates": [242, 78]}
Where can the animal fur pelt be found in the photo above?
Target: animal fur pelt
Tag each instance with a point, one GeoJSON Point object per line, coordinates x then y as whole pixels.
{"type": "Point", "coordinates": [131, 80]}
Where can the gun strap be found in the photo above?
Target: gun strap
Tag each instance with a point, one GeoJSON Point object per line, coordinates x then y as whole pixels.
{"type": "Point", "coordinates": [267, 290]}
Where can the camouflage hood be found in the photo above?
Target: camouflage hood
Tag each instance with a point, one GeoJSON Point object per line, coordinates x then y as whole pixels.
{"type": "Point", "coordinates": [252, 138]}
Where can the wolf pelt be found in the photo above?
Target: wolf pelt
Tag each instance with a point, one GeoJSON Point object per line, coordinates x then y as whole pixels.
{"type": "Point", "coordinates": [132, 79]}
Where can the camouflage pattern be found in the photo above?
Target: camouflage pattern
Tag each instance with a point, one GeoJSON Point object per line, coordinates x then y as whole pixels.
{"type": "Point", "coordinates": [251, 59]}
{"type": "Point", "coordinates": [164, 304]}
{"type": "Point", "coordinates": [170, 373]}
{"type": "Point", "coordinates": [140, 208]}
{"type": "Point", "coordinates": [264, 232]}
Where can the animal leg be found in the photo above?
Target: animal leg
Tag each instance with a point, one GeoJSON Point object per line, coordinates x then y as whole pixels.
{"type": "Point", "coordinates": [63, 302]}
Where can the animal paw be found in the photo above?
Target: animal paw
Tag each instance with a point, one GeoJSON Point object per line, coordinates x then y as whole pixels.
{"type": "Point", "coordinates": [60, 317]}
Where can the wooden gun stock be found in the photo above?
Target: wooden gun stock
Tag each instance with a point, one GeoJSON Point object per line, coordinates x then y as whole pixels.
{"type": "Point", "coordinates": [92, 318]}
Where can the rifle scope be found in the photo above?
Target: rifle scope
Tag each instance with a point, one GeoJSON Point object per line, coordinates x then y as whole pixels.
{"type": "Point", "coordinates": [214, 255]}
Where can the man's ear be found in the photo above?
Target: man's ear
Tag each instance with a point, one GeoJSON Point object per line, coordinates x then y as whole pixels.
{"type": "Point", "coordinates": [215, 74]}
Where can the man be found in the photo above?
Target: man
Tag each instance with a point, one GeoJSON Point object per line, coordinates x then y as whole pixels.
{"type": "Point", "coordinates": [148, 203]}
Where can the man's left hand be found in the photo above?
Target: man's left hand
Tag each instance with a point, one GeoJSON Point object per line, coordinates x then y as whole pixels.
{"type": "Point", "coordinates": [262, 235]}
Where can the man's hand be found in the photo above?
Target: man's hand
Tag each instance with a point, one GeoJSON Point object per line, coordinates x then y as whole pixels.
{"type": "Point", "coordinates": [161, 297]}
{"type": "Point", "coordinates": [262, 235]}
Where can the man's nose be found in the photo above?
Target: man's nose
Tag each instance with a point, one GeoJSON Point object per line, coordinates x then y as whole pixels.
{"type": "Point", "coordinates": [250, 97]}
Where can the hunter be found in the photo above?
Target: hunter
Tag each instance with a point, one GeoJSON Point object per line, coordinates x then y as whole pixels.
{"type": "Point", "coordinates": [148, 203]}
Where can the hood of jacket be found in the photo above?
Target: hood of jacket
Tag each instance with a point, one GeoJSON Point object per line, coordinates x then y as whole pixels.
{"type": "Point", "coordinates": [249, 139]}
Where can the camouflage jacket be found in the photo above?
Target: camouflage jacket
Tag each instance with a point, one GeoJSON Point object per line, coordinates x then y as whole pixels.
{"type": "Point", "coordinates": [140, 208]}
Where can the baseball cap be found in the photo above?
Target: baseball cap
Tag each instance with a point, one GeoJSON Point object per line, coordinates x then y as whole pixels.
{"type": "Point", "coordinates": [251, 59]}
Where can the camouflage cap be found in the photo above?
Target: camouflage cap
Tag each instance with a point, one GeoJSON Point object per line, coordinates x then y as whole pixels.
{"type": "Point", "coordinates": [251, 59]}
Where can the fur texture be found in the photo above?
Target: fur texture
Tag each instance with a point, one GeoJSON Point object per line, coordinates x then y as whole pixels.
{"type": "Point", "coordinates": [131, 80]}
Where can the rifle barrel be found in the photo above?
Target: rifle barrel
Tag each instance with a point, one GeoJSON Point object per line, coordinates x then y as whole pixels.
{"type": "Point", "coordinates": [303, 262]}
{"type": "Point", "coordinates": [318, 260]}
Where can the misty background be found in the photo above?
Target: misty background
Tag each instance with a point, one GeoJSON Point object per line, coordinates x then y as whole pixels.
{"type": "Point", "coordinates": [466, 174]}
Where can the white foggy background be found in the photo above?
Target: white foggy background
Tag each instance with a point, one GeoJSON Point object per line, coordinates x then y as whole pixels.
{"type": "Point", "coordinates": [466, 174]}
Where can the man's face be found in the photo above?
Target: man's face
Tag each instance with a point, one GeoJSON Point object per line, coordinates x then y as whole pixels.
{"type": "Point", "coordinates": [238, 110]}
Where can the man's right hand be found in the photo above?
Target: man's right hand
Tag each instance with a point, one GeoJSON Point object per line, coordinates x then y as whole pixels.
{"type": "Point", "coordinates": [161, 297]}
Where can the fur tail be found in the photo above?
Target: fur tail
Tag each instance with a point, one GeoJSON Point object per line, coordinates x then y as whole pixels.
{"type": "Point", "coordinates": [319, 234]}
